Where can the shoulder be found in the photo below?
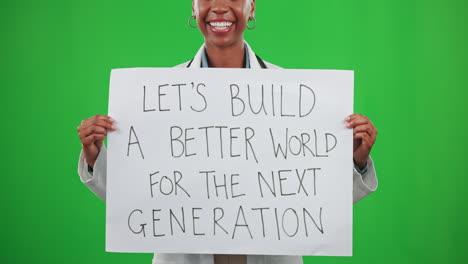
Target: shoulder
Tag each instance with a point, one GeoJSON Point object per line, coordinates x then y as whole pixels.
{"type": "Point", "coordinates": [272, 66]}
{"type": "Point", "coordinates": [183, 65]}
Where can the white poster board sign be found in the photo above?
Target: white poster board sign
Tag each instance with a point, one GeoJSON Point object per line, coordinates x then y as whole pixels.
{"type": "Point", "coordinates": [230, 161]}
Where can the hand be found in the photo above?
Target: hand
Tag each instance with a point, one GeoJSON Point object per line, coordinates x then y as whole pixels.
{"type": "Point", "coordinates": [365, 135]}
{"type": "Point", "coordinates": [92, 133]}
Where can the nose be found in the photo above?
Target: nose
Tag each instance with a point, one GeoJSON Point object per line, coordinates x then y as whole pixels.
{"type": "Point", "coordinates": [219, 6]}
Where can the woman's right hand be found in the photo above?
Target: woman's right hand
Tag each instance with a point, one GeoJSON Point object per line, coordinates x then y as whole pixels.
{"type": "Point", "coordinates": [92, 133]}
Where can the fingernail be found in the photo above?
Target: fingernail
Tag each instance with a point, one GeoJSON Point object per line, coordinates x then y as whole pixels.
{"type": "Point", "coordinates": [113, 127]}
{"type": "Point", "coordinates": [111, 119]}
{"type": "Point", "coordinates": [347, 118]}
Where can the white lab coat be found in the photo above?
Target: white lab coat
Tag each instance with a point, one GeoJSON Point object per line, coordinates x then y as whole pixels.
{"type": "Point", "coordinates": [363, 185]}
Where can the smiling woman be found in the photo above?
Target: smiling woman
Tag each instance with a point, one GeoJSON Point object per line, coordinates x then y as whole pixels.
{"type": "Point", "coordinates": [222, 23]}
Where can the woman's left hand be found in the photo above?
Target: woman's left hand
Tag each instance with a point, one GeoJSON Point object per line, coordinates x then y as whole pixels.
{"type": "Point", "coordinates": [365, 135]}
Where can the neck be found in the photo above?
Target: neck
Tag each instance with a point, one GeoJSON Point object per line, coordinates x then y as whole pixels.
{"type": "Point", "coordinates": [226, 57]}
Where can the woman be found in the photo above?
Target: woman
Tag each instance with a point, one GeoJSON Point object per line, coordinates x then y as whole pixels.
{"type": "Point", "coordinates": [222, 23]}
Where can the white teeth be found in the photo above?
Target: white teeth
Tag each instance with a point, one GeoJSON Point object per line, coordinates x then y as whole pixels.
{"type": "Point", "coordinates": [220, 25]}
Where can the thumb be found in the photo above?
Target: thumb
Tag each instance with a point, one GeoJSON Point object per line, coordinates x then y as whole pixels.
{"type": "Point", "coordinates": [99, 143]}
{"type": "Point", "coordinates": [356, 143]}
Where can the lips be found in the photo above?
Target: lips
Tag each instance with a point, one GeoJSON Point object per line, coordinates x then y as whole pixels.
{"type": "Point", "coordinates": [220, 26]}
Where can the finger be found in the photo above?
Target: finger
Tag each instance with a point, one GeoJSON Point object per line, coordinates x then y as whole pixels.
{"type": "Point", "coordinates": [366, 139]}
{"type": "Point", "coordinates": [374, 133]}
{"type": "Point", "coordinates": [356, 122]}
{"type": "Point", "coordinates": [364, 128]}
{"type": "Point", "coordinates": [93, 130]}
{"type": "Point", "coordinates": [370, 131]}
{"type": "Point", "coordinates": [97, 117]}
{"type": "Point", "coordinates": [86, 141]}
{"type": "Point", "coordinates": [96, 122]}
{"type": "Point", "coordinates": [103, 117]}
{"type": "Point", "coordinates": [354, 116]}
{"type": "Point", "coordinates": [105, 124]}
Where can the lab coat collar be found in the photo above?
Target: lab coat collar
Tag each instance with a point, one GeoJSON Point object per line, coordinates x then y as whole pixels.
{"type": "Point", "coordinates": [196, 62]}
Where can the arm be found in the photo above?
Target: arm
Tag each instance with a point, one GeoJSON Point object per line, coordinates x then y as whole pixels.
{"type": "Point", "coordinates": [93, 157]}
{"type": "Point", "coordinates": [364, 184]}
{"type": "Point", "coordinates": [96, 181]}
{"type": "Point", "coordinates": [365, 135]}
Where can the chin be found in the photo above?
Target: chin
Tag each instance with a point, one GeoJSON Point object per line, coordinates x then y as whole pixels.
{"type": "Point", "coordinates": [222, 43]}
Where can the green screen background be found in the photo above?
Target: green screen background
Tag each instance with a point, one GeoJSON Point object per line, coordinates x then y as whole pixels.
{"type": "Point", "coordinates": [410, 62]}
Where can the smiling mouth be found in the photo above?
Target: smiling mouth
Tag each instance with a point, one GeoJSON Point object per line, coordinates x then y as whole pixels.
{"type": "Point", "coordinates": [221, 25]}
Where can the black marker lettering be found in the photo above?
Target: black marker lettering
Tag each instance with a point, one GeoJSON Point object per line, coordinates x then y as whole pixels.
{"type": "Point", "coordinates": [205, 104]}
{"type": "Point", "coordinates": [327, 135]}
{"type": "Point", "coordinates": [142, 226]}
{"type": "Point", "coordinates": [130, 142]}
{"type": "Point", "coordinates": [244, 224]}
{"type": "Point", "coordinates": [144, 101]}
{"type": "Point", "coordinates": [304, 212]}
{"type": "Point", "coordinates": [272, 188]}
{"type": "Point", "coordinates": [297, 222]}
{"type": "Point", "coordinates": [217, 219]}
{"type": "Point", "coordinates": [154, 223]}
{"type": "Point", "coordinates": [179, 93]}
{"type": "Point", "coordinates": [238, 99]}
{"type": "Point", "coordinates": [261, 215]}
{"type": "Point", "coordinates": [181, 225]}
{"type": "Point", "coordinates": [310, 101]}
{"type": "Point", "coordinates": [161, 95]}
{"type": "Point", "coordinates": [176, 139]}
{"type": "Point", "coordinates": [248, 143]}
{"type": "Point", "coordinates": [193, 222]}
{"type": "Point", "coordinates": [262, 104]}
